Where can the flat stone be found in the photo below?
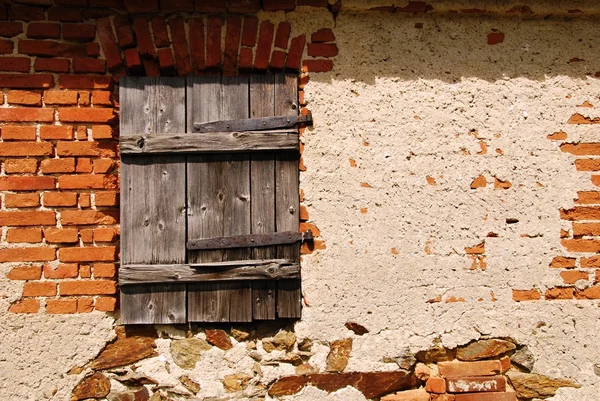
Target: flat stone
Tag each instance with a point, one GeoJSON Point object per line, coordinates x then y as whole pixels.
{"type": "Point", "coordinates": [291, 358]}
{"type": "Point", "coordinates": [240, 335]}
{"type": "Point", "coordinates": [284, 340]}
{"type": "Point", "coordinates": [187, 352]}
{"type": "Point", "coordinates": [476, 384]}
{"type": "Point", "coordinates": [135, 379]}
{"type": "Point", "coordinates": [124, 351]}
{"type": "Point", "coordinates": [531, 385]}
{"type": "Point", "coordinates": [141, 394]}
{"type": "Point", "coordinates": [423, 372]}
{"type": "Point", "coordinates": [523, 358]}
{"type": "Point", "coordinates": [236, 382]}
{"type": "Point", "coordinates": [218, 338]}
{"type": "Point", "coordinates": [465, 369]}
{"type": "Point", "coordinates": [189, 384]}
{"type": "Point", "coordinates": [371, 384]}
{"type": "Point", "coordinates": [486, 397]}
{"type": "Point", "coordinates": [435, 355]}
{"type": "Point", "coordinates": [94, 386]}
{"type": "Point", "coordinates": [484, 349]}
{"type": "Point", "coordinates": [409, 395]}
{"type": "Point", "coordinates": [338, 356]}
{"type": "Point", "coordinates": [406, 360]}
{"type": "Point", "coordinates": [305, 345]}
{"type": "Point", "coordinates": [357, 328]}
{"type": "Point", "coordinates": [306, 369]}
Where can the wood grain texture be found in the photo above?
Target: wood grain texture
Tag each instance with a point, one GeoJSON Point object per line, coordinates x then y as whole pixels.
{"type": "Point", "coordinates": [210, 142]}
{"type": "Point", "coordinates": [152, 198]}
{"type": "Point", "coordinates": [218, 198]}
{"type": "Point", "coordinates": [287, 201]}
{"type": "Point", "coordinates": [253, 123]}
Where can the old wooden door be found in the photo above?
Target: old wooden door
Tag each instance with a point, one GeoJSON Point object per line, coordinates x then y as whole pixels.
{"type": "Point", "coordinates": [181, 187]}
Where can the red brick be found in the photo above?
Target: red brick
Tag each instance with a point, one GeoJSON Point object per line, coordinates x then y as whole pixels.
{"type": "Point", "coordinates": [92, 49]}
{"type": "Point", "coordinates": [144, 37]}
{"type": "Point", "coordinates": [106, 304]}
{"type": "Point", "coordinates": [87, 236]}
{"type": "Point", "coordinates": [18, 133]}
{"type": "Point", "coordinates": [26, 183]}
{"type": "Point", "coordinates": [86, 148]}
{"type": "Point", "coordinates": [23, 97]}
{"type": "Point", "coordinates": [587, 164]}
{"type": "Point", "coordinates": [83, 115]}
{"type": "Point", "coordinates": [494, 38]}
{"type": "Point", "coordinates": [15, 64]}
{"type": "Point", "coordinates": [104, 234]}
{"type": "Point", "coordinates": [142, 6]}
{"type": "Point", "coordinates": [232, 44]}
{"type": "Point", "coordinates": [132, 60]}
{"type": "Point", "coordinates": [85, 271]}
{"type": "Point", "coordinates": [22, 218]}
{"type": "Point", "coordinates": [6, 46]}
{"type": "Point", "coordinates": [263, 50]}
{"type": "Point", "coordinates": [243, 6]}
{"type": "Point", "coordinates": [26, 235]}
{"type": "Point", "coordinates": [64, 14]}
{"type": "Point", "coordinates": [10, 29]}
{"type": "Point", "coordinates": [159, 28]}
{"type": "Point", "coordinates": [572, 276]}
{"type": "Point", "coordinates": [56, 132]}
{"type": "Point", "coordinates": [581, 149]}
{"type": "Point", "coordinates": [213, 42]}
{"type": "Point", "coordinates": [51, 65]}
{"type": "Point", "coordinates": [90, 254]}
{"type": "Point", "coordinates": [26, 13]}
{"type": "Point", "coordinates": [27, 254]}
{"type": "Point", "coordinates": [486, 397]}
{"type": "Point", "coordinates": [89, 65]}
{"type": "Point", "coordinates": [250, 31]}
{"type": "Point", "coordinates": [84, 100]}
{"type": "Point", "coordinates": [107, 198]}
{"type": "Point", "coordinates": [104, 270]}
{"type": "Point", "coordinates": [563, 262]}
{"type": "Point", "coordinates": [322, 50]}
{"type": "Point", "coordinates": [102, 132]}
{"type": "Point", "coordinates": [26, 81]}
{"type": "Point", "coordinates": [39, 289]}
{"type": "Point", "coordinates": [84, 165]}
{"type": "Point", "coordinates": [318, 65]}
{"type": "Point", "coordinates": [245, 60]}
{"type": "Point", "coordinates": [322, 35]}
{"type": "Point", "coordinates": [50, 48]}
{"type": "Point", "coordinates": [92, 181]}
{"type": "Point", "coordinates": [125, 36]}
{"type": "Point", "coordinates": [276, 5]}
{"type": "Point", "coordinates": [22, 200]}
{"type": "Point", "coordinates": [588, 293]}
{"type": "Point", "coordinates": [25, 273]}
{"type": "Point", "coordinates": [60, 199]}
{"type": "Point", "coordinates": [296, 51]}
{"type": "Point", "coordinates": [25, 306]}
{"type": "Point", "coordinates": [61, 306]}
{"type": "Point", "coordinates": [60, 97]}
{"type": "Point", "coordinates": [180, 46]}
{"type": "Point", "coordinates": [581, 245]}
{"type": "Point", "coordinates": [64, 270]}
{"type": "Point", "coordinates": [54, 166]}
{"type": "Point", "coordinates": [85, 200]}
{"type": "Point", "coordinates": [102, 166]}
{"type": "Point", "coordinates": [102, 98]}
{"type": "Point", "coordinates": [109, 44]}
{"type": "Point", "coordinates": [43, 30]}
{"type": "Point", "coordinates": [85, 81]}
{"type": "Point", "coordinates": [278, 60]}
{"type": "Point", "coordinates": [14, 166]}
{"type": "Point", "coordinates": [25, 148]}
{"type": "Point", "coordinates": [79, 32]}
{"type": "Point", "coordinates": [282, 36]}
{"type": "Point", "coordinates": [559, 293]}
{"type": "Point", "coordinates": [436, 385]}
{"type": "Point", "coordinates": [166, 62]}
{"type": "Point", "coordinates": [61, 235]}
{"type": "Point", "coordinates": [465, 369]}
{"type": "Point", "coordinates": [85, 305]}
{"type": "Point", "coordinates": [476, 384]}
{"type": "Point", "coordinates": [196, 28]}
{"type": "Point", "coordinates": [88, 217]}
{"type": "Point", "coordinates": [210, 6]}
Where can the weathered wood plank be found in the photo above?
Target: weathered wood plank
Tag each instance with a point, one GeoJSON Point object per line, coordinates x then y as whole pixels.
{"type": "Point", "coordinates": [289, 293]}
{"type": "Point", "coordinates": [262, 166]}
{"type": "Point", "coordinates": [275, 269]}
{"type": "Point", "coordinates": [250, 240]}
{"type": "Point", "coordinates": [212, 142]}
{"type": "Point", "coordinates": [253, 124]}
{"type": "Point", "coordinates": [218, 197]}
{"type": "Point", "coordinates": [152, 198]}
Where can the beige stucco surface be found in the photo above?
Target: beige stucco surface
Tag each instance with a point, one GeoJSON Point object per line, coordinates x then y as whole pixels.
{"type": "Point", "coordinates": [414, 95]}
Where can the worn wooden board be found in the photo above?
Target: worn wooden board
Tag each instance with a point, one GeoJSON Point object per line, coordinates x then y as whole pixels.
{"type": "Point", "coordinates": [274, 269]}
{"type": "Point", "coordinates": [218, 199]}
{"type": "Point", "coordinates": [253, 123]}
{"type": "Point", "coordinates": [287, 201]}
{"type": "Point", "coordinates": [262, 104]}
{"type": "Point", "coordinates": [209, 142]}
{"type": "Point", "coordinates": [152, 198]}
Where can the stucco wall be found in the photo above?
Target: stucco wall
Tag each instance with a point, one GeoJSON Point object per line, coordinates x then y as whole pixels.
{"type": "Point", "coordinates": [406, 102]}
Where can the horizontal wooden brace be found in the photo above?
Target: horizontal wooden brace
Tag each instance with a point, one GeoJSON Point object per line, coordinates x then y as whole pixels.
{"type": "Point", "coordinates": [271, 269]}
{"type": "Point", "coordinates": [209, 142]}
{"type": "Point", "coordinates": [249, 241]}
{"type": "Point", "coordinates": [253, 124]}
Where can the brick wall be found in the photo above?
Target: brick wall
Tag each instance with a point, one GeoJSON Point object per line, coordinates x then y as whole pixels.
{"type": "Point", "coordinates": [60, 63]}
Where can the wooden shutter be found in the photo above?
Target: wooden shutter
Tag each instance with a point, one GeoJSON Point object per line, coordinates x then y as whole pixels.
{"type": "Point", "coordinates": [179, 187]}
